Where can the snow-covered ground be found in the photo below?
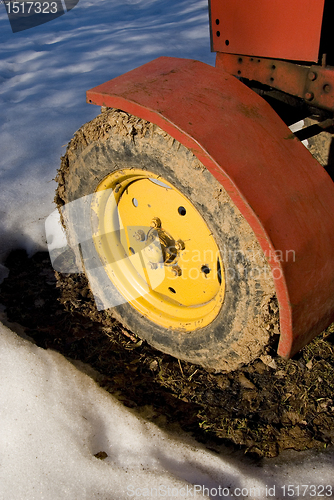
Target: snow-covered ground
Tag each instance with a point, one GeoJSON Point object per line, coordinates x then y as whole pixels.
{"type": "Point", "coordinates": [54, 418]}
{"type": "Point", "coordinates": [44, 74]}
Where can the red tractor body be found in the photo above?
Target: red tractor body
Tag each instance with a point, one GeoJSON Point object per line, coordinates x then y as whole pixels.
{"type": "Point", "coordinates": [288, 29]}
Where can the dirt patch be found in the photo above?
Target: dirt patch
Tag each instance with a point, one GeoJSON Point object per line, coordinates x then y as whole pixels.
{"type": "Point", "coordinates": [263, 408]}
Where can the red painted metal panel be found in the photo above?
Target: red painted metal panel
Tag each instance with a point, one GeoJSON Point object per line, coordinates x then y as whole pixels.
{"type": "Point", "coordinates": [286, 196]}
{"type": "Point", "coordinates": [281, 29]}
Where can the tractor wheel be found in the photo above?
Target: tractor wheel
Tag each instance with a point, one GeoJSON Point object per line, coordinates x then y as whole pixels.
{"type": "Point", "coordinates": [169, 249]}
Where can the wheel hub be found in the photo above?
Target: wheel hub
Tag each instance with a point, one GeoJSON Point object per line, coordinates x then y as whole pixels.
{"type": "Point", "coordinates": [163, 248]}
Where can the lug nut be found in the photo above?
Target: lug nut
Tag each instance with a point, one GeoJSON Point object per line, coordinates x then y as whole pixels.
{"type": "Point", "coordinates": [152, 265]}
{"type": "Point", "coordinates": [176, 271]}
{"type": "Point", "coordinates": [139, 235]}
{"type": "Point", "coordinates": [179, 245]}
{"type": "Point", "coordinates": [156, 222]}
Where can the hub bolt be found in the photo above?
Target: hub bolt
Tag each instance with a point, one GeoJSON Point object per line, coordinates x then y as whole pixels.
{"type": "Point", "coordinates": [152, 265]}
{"type": "Point", "coordinates": [156, 222]}
{"type": "Point", "coordinates": [176, 271]}
{"type": "Point", "coordinates": [179, 245]}
{"type": "Point", "coordinates": [139, 235]}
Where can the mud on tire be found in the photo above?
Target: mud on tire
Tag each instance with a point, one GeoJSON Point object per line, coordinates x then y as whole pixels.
{"type": "Point", "coordinates": [248, 318]}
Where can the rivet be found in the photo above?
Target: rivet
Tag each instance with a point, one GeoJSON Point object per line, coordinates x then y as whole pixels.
{"type": "Point", "coordinates": [327, 88]}
{"type": "Point", "coordinates": [309, 96]}
{"type": "Point", "coordinates": [312, 76]}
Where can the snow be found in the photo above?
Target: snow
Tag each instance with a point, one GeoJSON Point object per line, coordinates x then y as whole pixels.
{"type": "Point", "coordinates": [44, 74]}
{"type": "Point", "coordinates": [53, 417]}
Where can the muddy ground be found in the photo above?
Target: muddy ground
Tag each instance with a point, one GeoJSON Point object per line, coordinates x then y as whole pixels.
{"type": "Point", "coordinates": [264, 408]}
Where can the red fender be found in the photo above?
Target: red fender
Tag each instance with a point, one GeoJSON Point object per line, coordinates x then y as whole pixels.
{"type": "Point", "coordinates": [282, 191]}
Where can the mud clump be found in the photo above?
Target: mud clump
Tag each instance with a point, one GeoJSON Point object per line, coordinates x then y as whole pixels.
{"type": "Point", "coordinates": [264, 408]}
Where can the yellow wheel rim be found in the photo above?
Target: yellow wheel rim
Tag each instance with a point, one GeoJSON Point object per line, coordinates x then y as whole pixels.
{"type": "Point", "coordinates": [157, 250]}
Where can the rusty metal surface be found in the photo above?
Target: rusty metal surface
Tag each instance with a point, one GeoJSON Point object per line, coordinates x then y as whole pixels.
{"type": "Point", "coordinates": [319, 87]}
{"type": "Point", "coordinates": [282, 191]}
{"type": "Point", "coordinates": [288, 29]}
{"type": "Point", "coordinates": [313, 83]}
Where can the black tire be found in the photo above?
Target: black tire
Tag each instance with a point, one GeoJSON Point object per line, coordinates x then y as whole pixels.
{"type": "Point", "coordinates": [248, 318]}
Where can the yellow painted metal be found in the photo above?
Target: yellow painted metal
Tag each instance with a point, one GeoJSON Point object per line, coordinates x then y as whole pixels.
{"type": "Point", "coordinates": [182, 293]}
